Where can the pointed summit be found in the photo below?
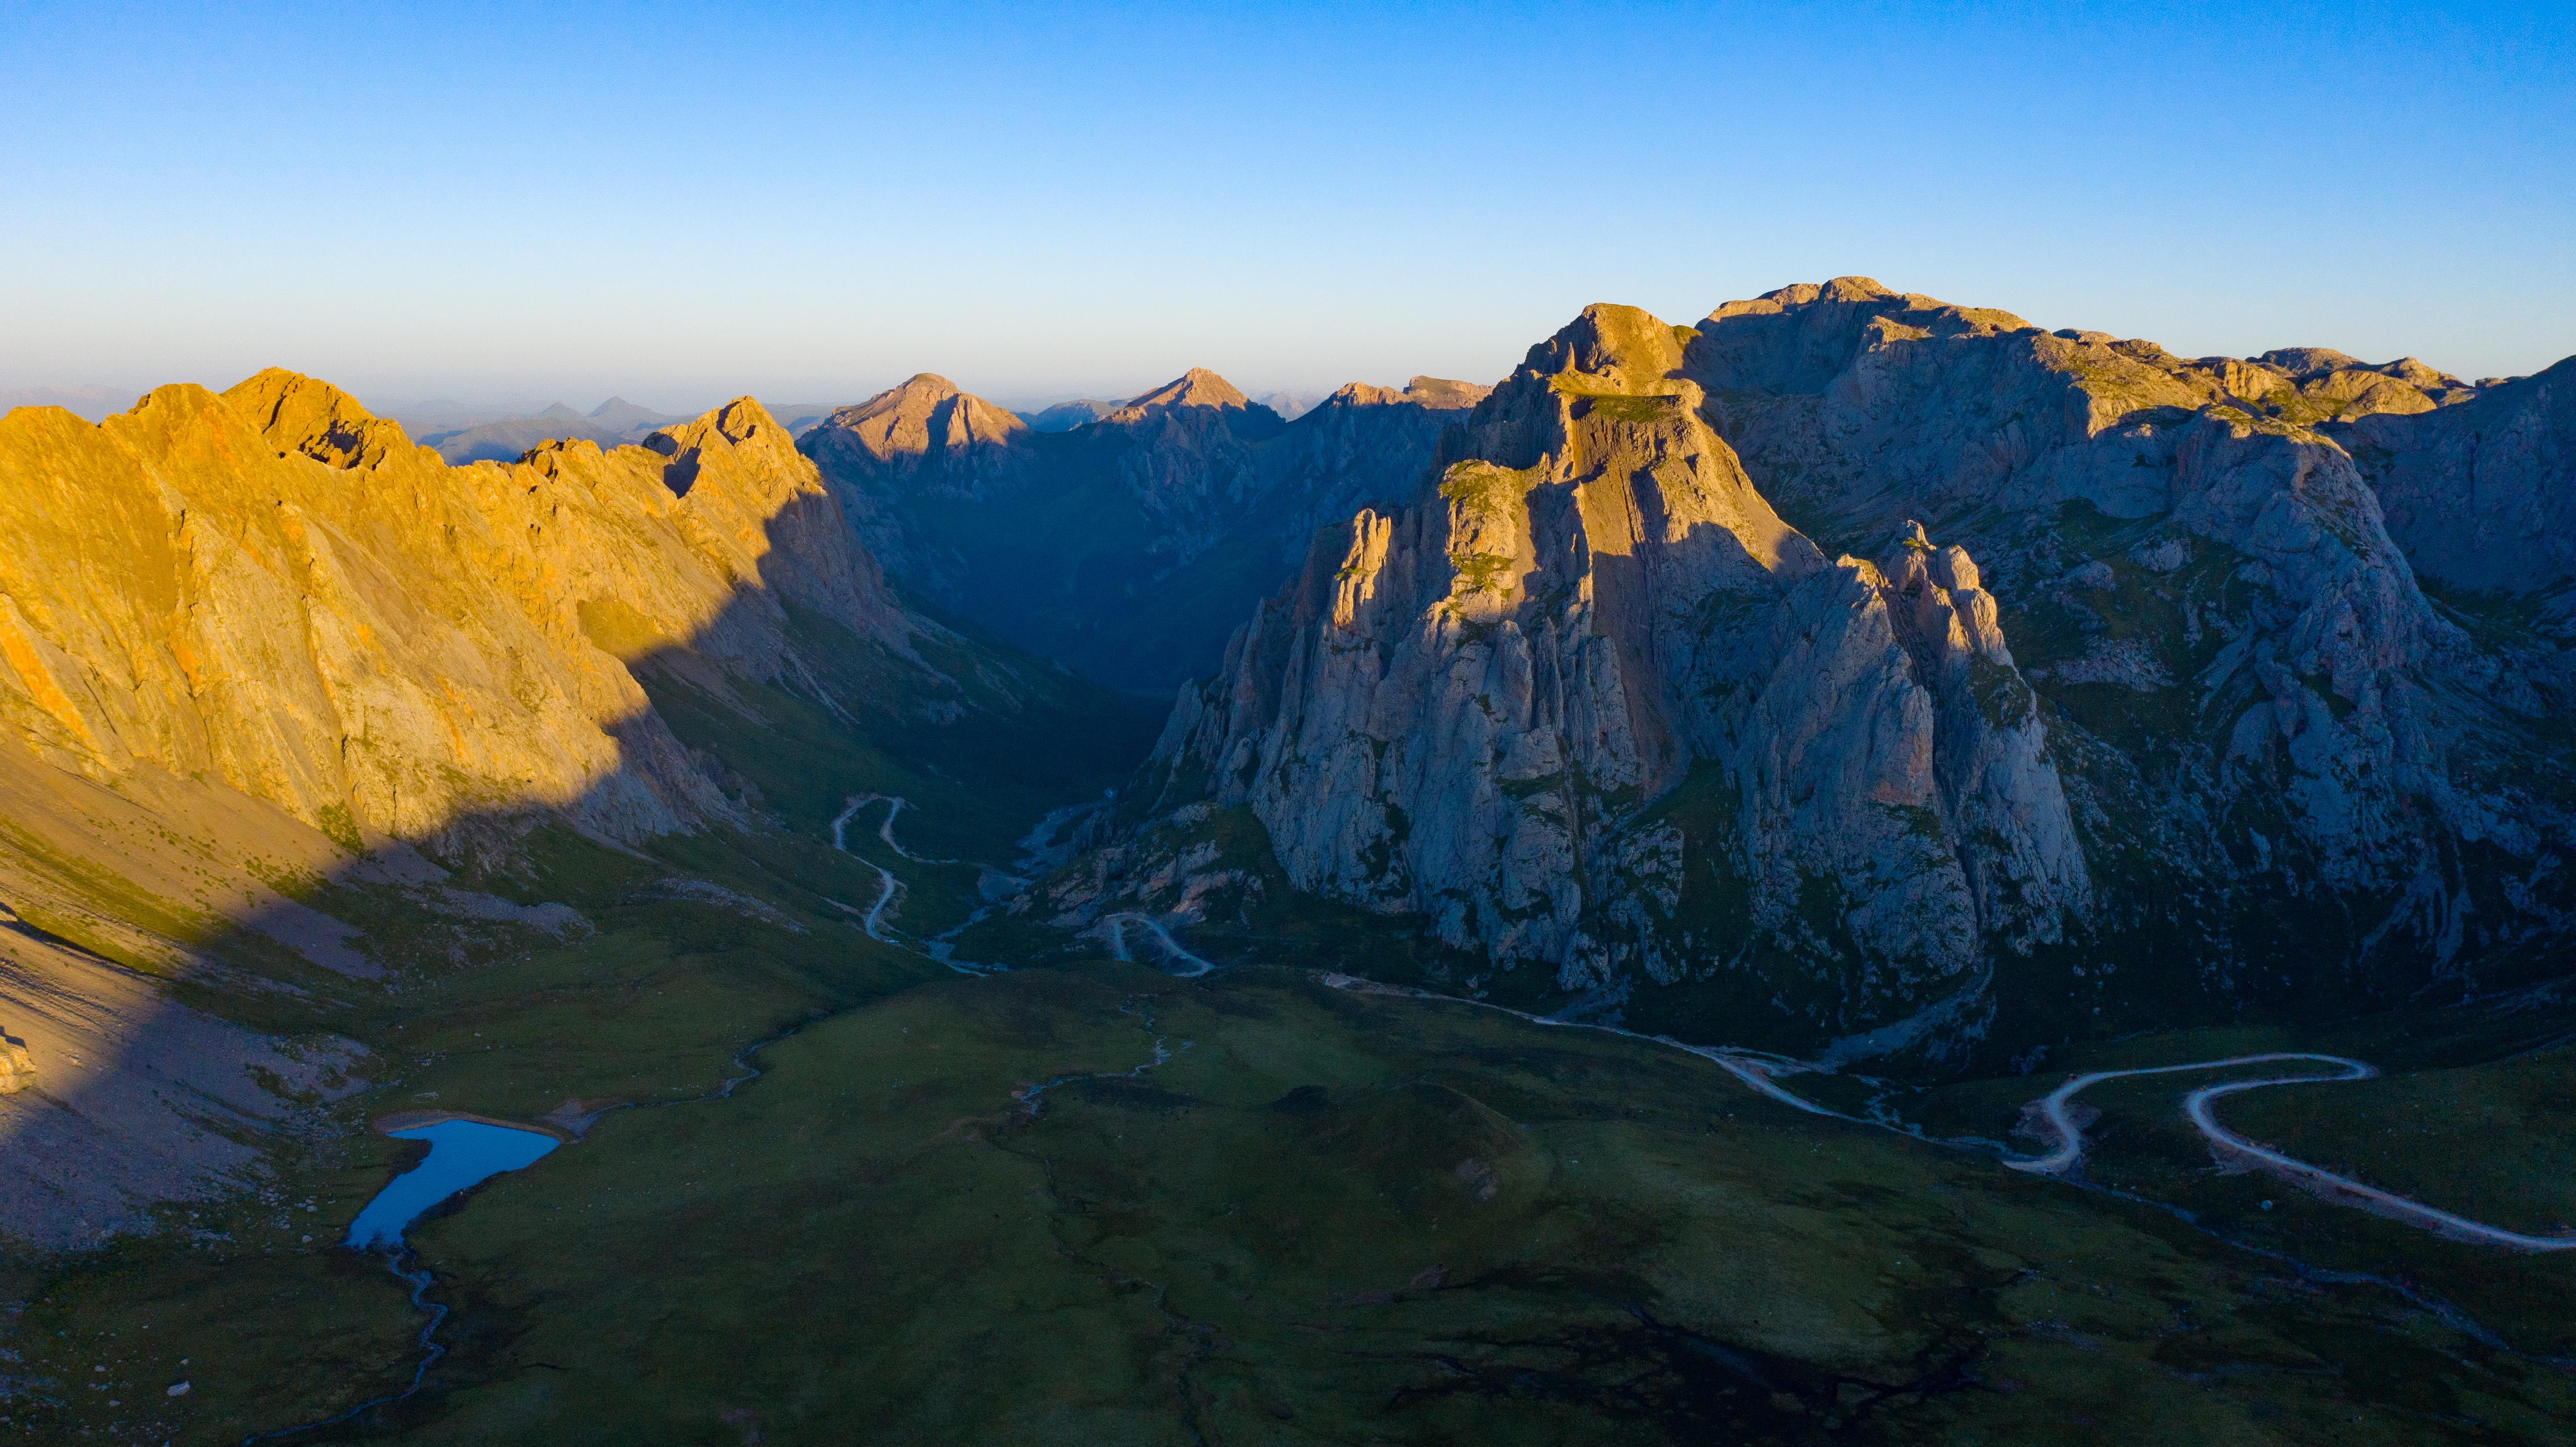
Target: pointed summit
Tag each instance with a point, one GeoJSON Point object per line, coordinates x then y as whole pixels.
{"type": "Point", "coordinates": [1197, 387]}
{"type": "Point", "coordinates": [926, 414]}
{"type": "Point", "coordinates": [618, 415]}
{"type": "Point", "coordinates": [297, 413]}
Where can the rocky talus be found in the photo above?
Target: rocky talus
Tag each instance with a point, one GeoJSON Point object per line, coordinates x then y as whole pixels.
{"type": "Point", "coordinates": [2123, 700]}
{"type": "Point", "coordinates": [1124, 539]}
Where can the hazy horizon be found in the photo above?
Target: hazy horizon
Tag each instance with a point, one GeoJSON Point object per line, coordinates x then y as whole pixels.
{"type": "Point", "coordinates": [809, 206]}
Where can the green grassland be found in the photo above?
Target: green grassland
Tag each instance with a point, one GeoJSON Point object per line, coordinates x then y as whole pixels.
{"type": "Point", "coordinates": [1323, 1218]}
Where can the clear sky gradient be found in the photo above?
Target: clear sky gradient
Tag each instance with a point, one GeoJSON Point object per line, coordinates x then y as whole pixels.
{"type": "Point", "coordinates": [680, 203]}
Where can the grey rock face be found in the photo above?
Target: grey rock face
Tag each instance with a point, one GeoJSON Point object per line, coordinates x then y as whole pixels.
{"type": "Point", "coordinates": [1460, 711]}
{"type": "Point", "coordinates": [2483, 495]}
{"type": "Point", "coordinates": [1595, 707]}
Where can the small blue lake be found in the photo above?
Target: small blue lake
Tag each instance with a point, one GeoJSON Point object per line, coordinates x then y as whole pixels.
{"type": "Point", "coordinates": [461, 1152]}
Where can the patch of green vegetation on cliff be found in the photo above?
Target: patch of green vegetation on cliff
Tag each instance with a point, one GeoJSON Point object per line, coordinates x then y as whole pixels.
{"type": "Point", "coordinates": [340, 827]}
{"type": "Point", "coordinates": [2003, 700]}
{"type": "Point", "coordinates": [1484, 490]}
{"type": "Point", "coordinates": [1481, 572]}
{"type": "Point", "coordinates": [1620, 407]}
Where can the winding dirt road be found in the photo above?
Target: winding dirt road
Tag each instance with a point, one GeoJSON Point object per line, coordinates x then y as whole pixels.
{"type": "Point", "coordinates": [1758, 1072]}
{"type": "Point", "coordinates": [1117, 924]}
{"type": "Point", "coordinates": [2342, 1190]}
{"type": "Point", "coordinates": [885, 877]}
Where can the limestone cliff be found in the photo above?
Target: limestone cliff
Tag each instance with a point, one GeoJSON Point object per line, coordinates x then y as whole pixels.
{"type": "Point", "coordinates": [1468, 710]}
{"type": "Point", "coordinates": [2129, 689]}
{"type": "Point", "coordinates": [2270, 720]}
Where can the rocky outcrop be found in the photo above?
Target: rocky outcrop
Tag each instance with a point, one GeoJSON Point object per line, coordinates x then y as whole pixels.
{"type": "Point", "coordinates": [1123, 539]}
{"type": "Point", "coordinates": [277, 591]}
{"type": "Point", "coordinates": [17, 1067]}
{"type": "Point", "coordinates": [2267, 719]}
{"type": "Point", "coordinates": [1465, 710]}
{"type": "Point", "coordinates": [2128, 688]}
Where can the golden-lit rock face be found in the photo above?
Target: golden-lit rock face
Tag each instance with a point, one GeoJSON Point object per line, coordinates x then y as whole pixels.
{"type": "Point", "coordinates": [274, 590]}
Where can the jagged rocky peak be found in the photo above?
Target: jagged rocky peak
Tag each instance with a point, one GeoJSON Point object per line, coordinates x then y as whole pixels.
{"type": "Point", "coordinates": [927, 415]}
{"type": "Point", "coordinates": [1454, 707]}
{"type": "Point", "coordinates": [297, 413]}
{"type": "Point", "coordinates": [1602, 409]}
{"type": "Point", "coordinates": [1897, 814]}
{"type": "Point", "coordinates": [1189, 405]}
{"type": "Point", "coordinates": [1197, 387]}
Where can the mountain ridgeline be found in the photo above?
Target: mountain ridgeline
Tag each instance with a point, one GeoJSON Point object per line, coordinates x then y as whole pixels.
{"type": "Point", "coordinates": [1857, 672]}
{"type": "Point", "coordinates": [276, 591]}
{"type": "Point", "coordinates": [1126, 540]}
{"type": "Point", "coordinates": [968, 864]}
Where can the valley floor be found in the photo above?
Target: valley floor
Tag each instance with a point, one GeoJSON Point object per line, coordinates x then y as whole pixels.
{"type": "Point", "coordinates": [1105, 1203]}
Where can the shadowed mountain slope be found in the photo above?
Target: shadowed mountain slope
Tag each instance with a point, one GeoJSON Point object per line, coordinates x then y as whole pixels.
{"type": "Point", "coordinates": [1120, 543]}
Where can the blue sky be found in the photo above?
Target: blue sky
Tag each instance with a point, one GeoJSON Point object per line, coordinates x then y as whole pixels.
{"type": "Point", "coordinates": [680, 203]}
